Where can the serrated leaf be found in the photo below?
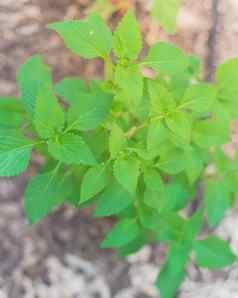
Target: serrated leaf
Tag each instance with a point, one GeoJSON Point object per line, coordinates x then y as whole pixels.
{"type": "Point", "coordinates": [10, 103]}
{"type": "Point", "coordinates": [162, 100]}
{"type": "Point", "coordinates": [153, 179]}
{"type": "Point", "coordinates": [11, 111]}
{"type": "Point", "coordinates": [227, 86]}
{"type": "Point", "coordinates": [171, 160]}
{"type": "Point", "coordinates": [94, 181]}
{"type": "Point", "coordinates": [122, 233]}
{"type": "Point", "coordinates": [173, 270]}
{"type": "Point", "coordinates": [217, 200]}
{"type": "Point", "coordinates": [15, 153]}
{"type": "Point", "coordinates": [71, 149]}
{"type": "Point", "coordinates": [117, 140]}
{"type": "Point", "coordinates": [193, 160]}
{"type": "Point", "coordinates": [168, 226]}
{"type": "Point", "coordinates": [142, 152]}
{"type": "Point", "coordinates": [49, 115]}
{"type": "Point", "coordinates": [113, 200]}
{"type": "Point", "coordinates": [154, 189]}
{"type": "Point", "coordinates": [141, 111]}
{"type": "Point", "coordinates": [176, 196]}
{"type": "Point", "coordinates": [154, 198]}
{"type": "Point", "coordinates": [129, 80]}
{"type": "Point", "coordinates": [166, 13]}
{"type": "Point", "coordinates": [199, 98]}
{"type": "Point", "coordinates": [180, 125]}
{"type": "Point", "coordinates": [193, 226]}
{"type": "Point", "coordinates": [132, 247]}
{"type": "Point", "coordinates": [10, 119]}
{"type": "Point", "coordinates": [90, 110]}
{"type": "Point", "coordinates": [226, 75]}
{"type": "Point", "coordinates": [71, 89]}
{"type": "Point", "coordinates": [213, 253]}
{"type": "Point", "coordinates": [127, 41]}
{"type": "Point", "coordinates": [98, 142]}
{"type": "Point", "coordinates": [178, 84]}
{"type": "Point", "coordinates": [31, 77]}
{"type": "Point", "coordinates": [166, 59]}
{"type": "Point", "coordinates": [126, 171]}
{"type": "Point", "coordinates": [90, 38]}
{"type": "Point", "coordinates": [207, 133]}
{"type": "Point", "coordinates": [221, 160]}
{"type": "Point", "coordinates": [157, 134]}
{"type": "Point", "coordinates": [43, 194]}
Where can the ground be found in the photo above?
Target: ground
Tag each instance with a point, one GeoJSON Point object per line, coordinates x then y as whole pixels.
{"type": "Point", "coordinates": [60, 257]}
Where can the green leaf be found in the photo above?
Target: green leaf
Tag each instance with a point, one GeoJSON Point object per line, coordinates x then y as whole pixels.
{"type": "Point", "coordinates": [90, 38]}
{"type": "Point", "coordinates": [71, 89]}
{"type": "Point", "coordinates": [71, 149]}
{"type": "Point", "coordinates": [113, 200]}
{"type": "Point", "coordinates": [180, 125]}
{"type": "Point", "coordinates": [226, 75]}
{"type": "Point", "coordinates": [141, 111]}
{"type": "Point", "coordinates": [90, 110]}
{"type": "Point", "coordinates": [193, 160]}
{"type": "Point", "coordinates": [154, 198]}
{"type": "Point", "coordinates": [12, 104]}
{"type": "Point", "coordinates": [127, 41]}
{"type": "Point", "coordinates": [122, 233]}
{"type": "Point", "coordinates": [166, 59]}
{"type": "Point", "coordinates": [225, 111]}
{"type": "Point", "coordinates": [221, 160]}
{"type": "Point", "coordinates": [194, 66]}
{"type": "Point", "coordinates": [179, 83]}
{"type": "Point", "coordinates": [171, 160]}
{"type": "Point", "coordinates": [153, 180]}
{"type": "Point", "coordinates": [217, 200]}
{"type": "Point", "coordinates": [32, 76]}
{"type": "Point", "coordinates": [213, 253]}
{"type": "Point", "coordinates": [15, 153]}
{"type": "Point", "coordinates": [43, 194]}
{"type": "Point", "coordinates": [126, 171]}
{"type": "Point", "coordinates": [166, 13]}
{"type": "Point", "coordinates": [173, 272]}
{"type": "Point", "coordinates": [11, 111]}
{"type": "Point", "coordinates": [167, 226]}
{"type": "Point", "coordinates": [162, 100]}
{"type": "Point", "coordinates": [192, 227]}
{"type": "Point", "coordinates": [117, 141]}
{"type": "Point", "coordinates": [94, 181]}
{"type": "Point", "coordinates": [10, 119]}
{"type": "Point", "coordinates": [49, 116]}
{"type": "Point", "coordinates": [199, 98]}
{"type": "Point", "coordinates": [154, 191]}
{"type": "Point", "coordinates": [157, 134]}
{"type": "Point", "coordinates": [129, 80]}
{"type": "Point", "coordinates": [132, 247]}
{"type": "Point", "coordinates": [176, 196]}
{"type": "Point", "coordinates": [98, 142]}
{"type": "Point", "coordinates": [211, 132]}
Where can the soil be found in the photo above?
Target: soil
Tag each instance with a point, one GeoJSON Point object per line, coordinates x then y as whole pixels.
{"type": "Point", "coordinates": [60, 257]}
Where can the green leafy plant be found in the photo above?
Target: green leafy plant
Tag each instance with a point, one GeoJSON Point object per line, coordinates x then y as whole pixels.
{"type": "Point", "coordinates": [131, 146]}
